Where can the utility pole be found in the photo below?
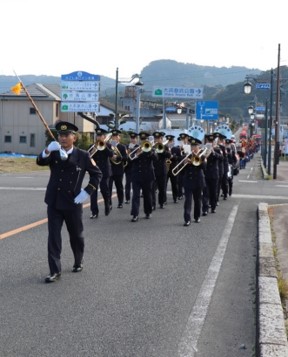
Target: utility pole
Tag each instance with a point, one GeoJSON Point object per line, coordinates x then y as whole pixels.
{"type": "Point", "coordinates": [277, 126]}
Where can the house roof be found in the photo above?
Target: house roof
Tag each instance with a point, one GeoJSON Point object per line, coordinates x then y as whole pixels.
{"type": "Point", "coordinates": [53, 92]}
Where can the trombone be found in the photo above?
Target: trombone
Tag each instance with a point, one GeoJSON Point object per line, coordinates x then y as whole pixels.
{"type": "Point", "coordinates": [100, 145]}
{"type": "Point", "coordinates": [146, 146]}
{"type": "Point", "coordinates": [160, 147]}
{"type": "Point", "coordinates": [180, 166]}
{"type": "Point", "coordinates": [194, 159]}
{"type": "Point", "coordinates": [197, 159]}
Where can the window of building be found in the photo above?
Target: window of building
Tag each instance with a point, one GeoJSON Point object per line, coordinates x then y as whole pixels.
{"type": "Point", "coordinates": [32, 140]}
{"type": "Point", "coordinates": [8, 139]}
{"type": "Point", "coordinates": [22, 139]}
{"type": "Point", "coordinates": [32, 110]}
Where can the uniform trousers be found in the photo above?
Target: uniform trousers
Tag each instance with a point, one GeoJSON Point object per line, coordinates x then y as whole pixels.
{"type": "Point", "coordinates": [180, 185]}
{"type": "Point", "coordinates": [174, 185]}
{"type": "Point", "coordinates": [210, 195]}
{"type": "Point", "coordinates": [146, 187]}
{"type": "Point", "coordinates": [224, 185]}
{"type": "Point", "coordinates": [105, 192]}
{"type": "Point", "coordinates": [196, 193]}
{"type": "Point", "coordinates": [118, 180]}
{"type": "Point", "coordinates": [73, 221]}
{"type": "Point", "coordinates": [160, 185]}
{"type": "Point", "coordinates": [128, 185]}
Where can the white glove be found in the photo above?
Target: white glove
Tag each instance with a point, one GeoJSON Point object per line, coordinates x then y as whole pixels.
{"type": "Point", "coordinates": [81, 197]}
{"type": "Point", "coordinates": [54, 146]}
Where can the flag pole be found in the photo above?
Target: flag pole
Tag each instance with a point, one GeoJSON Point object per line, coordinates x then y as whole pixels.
{"type": "Point", "coordinates": [36, 108]}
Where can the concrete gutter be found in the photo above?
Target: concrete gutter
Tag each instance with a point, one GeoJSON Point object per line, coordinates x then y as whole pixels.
{"type": "Point", "coordinates": [272, 338]}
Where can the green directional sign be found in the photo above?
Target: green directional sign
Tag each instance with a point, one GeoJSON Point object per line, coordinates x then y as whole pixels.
{"type": "Point", "coordinates": [178, 92]}
{"type": "Point", "coordinates": [158, 92]}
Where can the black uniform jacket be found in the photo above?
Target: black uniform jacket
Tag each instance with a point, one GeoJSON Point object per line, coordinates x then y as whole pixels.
{"type": "Point", "coordinates": [175, 156]}
{"type": "Point", "coordinates": [118, 167]}
{"type": "Point", "coordinates": [194, 176]}
{"type": "Point", "coordinates": [143, 166]}
{"type": "Point", "coordinates": [212, 166]}
{"type": "Point", "coordinates": [160, 164]}
{"type": "Point", "coordinates": [66, 177]}
{"type": "Point", "coordinates": [102, 159]}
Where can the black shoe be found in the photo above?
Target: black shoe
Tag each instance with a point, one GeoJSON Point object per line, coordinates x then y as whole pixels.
{"type": "Point", "coordinates": [175, 201]}
{"type": "Point", "coordinates": [204, 213]}
{"type": "Point", "coordinates": [225, 198]}
{"type": "Point", "coordinates": [120, 205]}
{"type": "Point", "coordinates": [161, 206]}
{"type": "Point", "coordinates": [213, 211]}
{"type": "Point", "coordinates": [77, 268]}
{"type": "Point", "coordinates": [94, 215]}
{"type": "Point", "coordinates": [187, 223]}
{"type": "Point", "coordinates": [52, 278]}
{"type": "Point", "coordinates": [107, 210]}
{"type": "Point", "coordinates": [197, 220]}
{"type": "Point", "coordinates": [180, 198]}
{"type": "Point", "coordinates": [127, 202]}
{"type": "Point", "coordinates": [148, 216]}
{"type": "Point", "coordinates": [134, 219]}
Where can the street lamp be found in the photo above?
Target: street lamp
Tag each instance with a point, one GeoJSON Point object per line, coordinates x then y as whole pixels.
{"type": "Point", "coordinates": [135, 80]}
{"type": "Point", "coordinates": [250, 110]}
{"type": "Point", "coordinates": [247, 89]}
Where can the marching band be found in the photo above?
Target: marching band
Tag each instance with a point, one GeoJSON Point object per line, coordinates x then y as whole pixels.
{"type": "Point", "coordinates": [200, 169]}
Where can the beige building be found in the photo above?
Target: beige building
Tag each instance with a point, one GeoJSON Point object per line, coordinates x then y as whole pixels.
{"type": "Point", "coordinates": [22, 130]}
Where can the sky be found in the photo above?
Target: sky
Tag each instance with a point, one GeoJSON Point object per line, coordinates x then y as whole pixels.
{"type": "Point", "coordinates": [56, 37]}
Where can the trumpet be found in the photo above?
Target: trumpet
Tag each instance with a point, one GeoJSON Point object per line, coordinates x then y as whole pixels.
{"type": "Point", "coordinates": [146, 146]}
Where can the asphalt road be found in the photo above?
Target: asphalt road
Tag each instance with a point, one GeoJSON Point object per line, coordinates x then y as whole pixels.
{"type": "Point", "coordinates": [148, 289]}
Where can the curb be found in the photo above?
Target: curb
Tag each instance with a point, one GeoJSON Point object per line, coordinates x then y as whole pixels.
{"type": "Point", "coordinates": [272, 338]}
{"type": "Point", "coordinates": [264, 172]}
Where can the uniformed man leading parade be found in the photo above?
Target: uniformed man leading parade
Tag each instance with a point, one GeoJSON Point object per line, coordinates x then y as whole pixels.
{"type": "Point", "coordinates": [64, 195]}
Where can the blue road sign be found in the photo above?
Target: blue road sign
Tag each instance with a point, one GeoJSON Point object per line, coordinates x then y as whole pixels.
{"type": "Point", "coordinates": [207, 110]}
{"type": "Point", "coordinates": [263, 86]}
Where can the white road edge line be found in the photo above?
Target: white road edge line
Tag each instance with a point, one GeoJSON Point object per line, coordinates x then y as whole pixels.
{"type": "Point", "coordinates": [188, 344]}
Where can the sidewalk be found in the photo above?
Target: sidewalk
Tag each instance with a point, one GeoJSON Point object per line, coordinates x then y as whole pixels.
{"type": "Point", "coordinates": [272, 223]}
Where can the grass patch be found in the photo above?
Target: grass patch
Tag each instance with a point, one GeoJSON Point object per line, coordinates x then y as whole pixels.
{"type": "Point", "coordinates": [19, 164]}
